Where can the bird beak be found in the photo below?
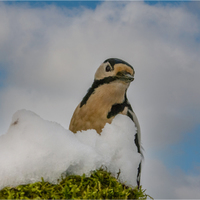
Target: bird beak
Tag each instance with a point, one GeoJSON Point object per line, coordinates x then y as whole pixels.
{"type": "Point", "coordinates": [125, 76]}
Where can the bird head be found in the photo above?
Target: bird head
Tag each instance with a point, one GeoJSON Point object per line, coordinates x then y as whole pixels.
{"type": "Point", "coordinates": [116, 69]}
{"type": "Point", "coordinates": [112, 77]}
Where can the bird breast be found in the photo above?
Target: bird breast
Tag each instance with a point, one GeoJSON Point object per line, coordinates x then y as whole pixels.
{"type": "Point", "coordinates": [93, 114]}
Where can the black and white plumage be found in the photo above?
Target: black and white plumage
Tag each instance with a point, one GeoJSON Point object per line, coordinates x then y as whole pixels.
{"type": "Point", "coordinates": [107, 98]}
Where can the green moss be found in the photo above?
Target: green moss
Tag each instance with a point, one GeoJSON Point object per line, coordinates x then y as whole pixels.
{"type": "Point", "coordinates": [100, 185]}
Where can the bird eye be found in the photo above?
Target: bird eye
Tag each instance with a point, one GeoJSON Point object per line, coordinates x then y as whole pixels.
{"type": "Point", "coordinates": [108, 68]}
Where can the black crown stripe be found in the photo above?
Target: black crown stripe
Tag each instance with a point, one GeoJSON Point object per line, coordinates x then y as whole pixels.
{"type": "Point", "coordinates": [114, 61]}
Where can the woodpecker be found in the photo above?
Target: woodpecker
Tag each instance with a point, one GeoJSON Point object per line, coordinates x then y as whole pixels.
{"type": "Point", "coordinates": [107, 98]}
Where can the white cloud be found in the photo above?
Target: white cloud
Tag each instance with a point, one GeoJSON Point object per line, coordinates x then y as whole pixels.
{"type": "Point", "coordinates": [162, 184]}
{"type": "Point", "coordinates": [51, 55]}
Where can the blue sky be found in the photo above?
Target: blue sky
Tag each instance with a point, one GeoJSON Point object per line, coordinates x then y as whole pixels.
{"type": "Point", "coordinates": [89, 4]}
{"type": "Point", "coordinates": [69, 4]}
{"type": "Point", "coordinates": [160, 38]}
{"type": "Point", "coordinates": [185, 154]}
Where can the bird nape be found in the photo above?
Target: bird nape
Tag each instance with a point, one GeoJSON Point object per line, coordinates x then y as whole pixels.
{"type": "Point", "coordinates": [107, 98]}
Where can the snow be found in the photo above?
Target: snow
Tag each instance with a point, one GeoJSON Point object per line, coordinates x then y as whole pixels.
{"type": "Point", "coordinates": [33, 148]}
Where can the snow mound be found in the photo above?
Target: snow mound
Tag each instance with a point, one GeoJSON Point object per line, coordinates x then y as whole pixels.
{"type": "Point", "coordinates": [34, 148]}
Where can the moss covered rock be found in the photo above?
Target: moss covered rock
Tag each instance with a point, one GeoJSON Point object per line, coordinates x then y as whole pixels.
{"type": "Point", "coordinates": [100, 185]}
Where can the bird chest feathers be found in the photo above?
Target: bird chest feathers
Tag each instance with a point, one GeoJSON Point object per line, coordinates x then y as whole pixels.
{"type": "Point", "coordinates": [93, 114]}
